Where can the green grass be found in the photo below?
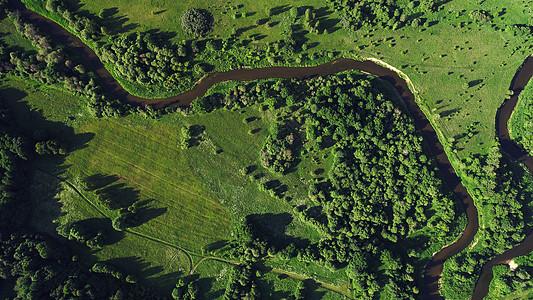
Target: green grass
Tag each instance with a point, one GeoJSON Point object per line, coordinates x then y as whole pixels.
{"type": "Point", "coordinates": [55, 204]}
{"type": "Point", "coordinates": [195, 195]}
{"type": "Point", "coordinates": [520, 124]}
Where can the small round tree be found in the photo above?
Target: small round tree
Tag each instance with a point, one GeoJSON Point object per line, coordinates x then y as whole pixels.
{"type": "Point", "coordinates": [196, 22]}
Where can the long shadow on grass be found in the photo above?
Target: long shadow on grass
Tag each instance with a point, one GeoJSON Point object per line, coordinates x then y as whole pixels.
{"type": "Point", "coordinates": [136, 265]}
{"type": "Point", "coordinates": [272, 229]}
{"type": "Point", "coordinates": [116, 195]}
{"type": "Point", "coordinates": [32, 124]}
{"type": "Point", "coordinates": [147, 213]}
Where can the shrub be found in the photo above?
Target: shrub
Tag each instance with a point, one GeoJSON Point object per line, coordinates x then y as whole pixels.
{"type": "Point", "coordinates": [196, 22]}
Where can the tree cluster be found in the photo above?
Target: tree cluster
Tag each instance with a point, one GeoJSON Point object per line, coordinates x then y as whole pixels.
{"type": "Point", "coordinates": [385, 14]}
{"type": "Point", "coordinates": [85, 27]}
{"type": "Point", "coordinates": [196, 22]}
{"type": "Point", "coordinates": [44, 269]}
{"type": "Point", "coordinates": [138, 57]}
{"type": "Point", "coordinates": [77, 231]}
{"type": "Point", "coordinates": [186, 289]}
{"type": "Point", "coordinates": [280, 150]}
{"type": "Point", "coordinates": [241, 284]}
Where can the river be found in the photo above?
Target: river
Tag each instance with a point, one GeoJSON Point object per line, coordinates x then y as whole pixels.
{"type": "Point", "coordinates": [434, 267]}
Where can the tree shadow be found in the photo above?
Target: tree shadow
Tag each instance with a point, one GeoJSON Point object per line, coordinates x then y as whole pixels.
{"type": "Point", "coordinates": [18, 116]}
{"type": "Point", "coordinates": [268, 291]}
{"type": "Point", "coordinates": [160, 36]}
{"type": "Point", "coordinates": [272, 228]}
{"type": "Point", "coordinates": [146, 213]}
{"type": "Point", "coordinates": [135, 265]}
{"type": "Point", "coordinates": [326, 23]}
{"type": "Point", "coordinates": [118, 195]}
{"type": "Point", "coordinates": [167, 281]}
{"type": "Point", "coordinates": [216, 245]}
{"type": "Point", "coordinates": [240, 31]}
{"type": "Point", "coordinates": [475, 82]}
{"type": "Point", "coordinates": [449, 112]}
{"type": "Point", "coordinates": [46, 208]}
{"type": "Point", "coordinates": [116, 23]}
{"type": "Point", "coordinates": [97, 181]}
{"type": "Point", "coordinates": [279, 10]}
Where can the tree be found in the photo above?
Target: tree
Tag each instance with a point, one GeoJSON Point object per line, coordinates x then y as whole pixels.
{"type": "Point", "coordinates": [196, 22]}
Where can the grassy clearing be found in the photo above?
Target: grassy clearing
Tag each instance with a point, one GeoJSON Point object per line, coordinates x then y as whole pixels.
{"type": "Point", "coordinates": [56, 204]}
{"type": "Point", "coordinates": [195, 195]}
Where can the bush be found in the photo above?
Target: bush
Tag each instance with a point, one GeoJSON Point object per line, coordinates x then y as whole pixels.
{"type": "Point", "coordinates": [196, 22]}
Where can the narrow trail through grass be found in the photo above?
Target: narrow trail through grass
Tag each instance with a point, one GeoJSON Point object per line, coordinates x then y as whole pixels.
{"type": "Point", "coordinates": [344, 290]}
{"type": "Point", "coordinates": [156, 240]}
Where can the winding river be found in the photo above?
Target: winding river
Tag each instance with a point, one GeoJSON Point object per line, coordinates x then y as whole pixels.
{"type": "Point", "coordinates": [434, 267]}
{"type": "Point", "coordinates": [522, 77]}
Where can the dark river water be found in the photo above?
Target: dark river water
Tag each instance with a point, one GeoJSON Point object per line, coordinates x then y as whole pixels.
{"type": "Point", "coordinates": [522, 77]}
{"type": "Point", "coordinates": [434, 267]}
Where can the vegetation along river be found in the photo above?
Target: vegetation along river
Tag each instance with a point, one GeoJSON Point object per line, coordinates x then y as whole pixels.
{"type": "Point", "coordinates": [434, 267]}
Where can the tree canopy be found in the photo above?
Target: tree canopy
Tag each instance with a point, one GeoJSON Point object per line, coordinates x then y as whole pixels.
{"type": "Point", "coordinates": [196, 22]}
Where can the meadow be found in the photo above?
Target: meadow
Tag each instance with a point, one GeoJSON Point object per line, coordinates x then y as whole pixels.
{"type": "Point", "coordinates": [195, 195]}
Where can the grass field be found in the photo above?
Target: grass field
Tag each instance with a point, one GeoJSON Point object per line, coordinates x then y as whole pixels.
{"type": "Point", "coordinates": [195, 195]}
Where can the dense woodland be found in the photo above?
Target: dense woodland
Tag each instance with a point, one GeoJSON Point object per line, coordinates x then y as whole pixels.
{"type": "Point", "coordinates": [512, 280]}
{"type": "Point", "coordinates": [382, 188]}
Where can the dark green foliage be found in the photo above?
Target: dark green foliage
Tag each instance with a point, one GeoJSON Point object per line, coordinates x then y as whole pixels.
{"type": "Point", "coordinates": [140, 58]}
{"type": "Point", "coordinates": [241, 284]}
{"type": "Point", "coordinates": [50, 147]}
{"type": "Point", "coordinates": [44, 269]}
{"type": "Point", "coordinates": [13, 177]}
{"type": "Point", "coordinates": [186, 289]}
{"type": "Point", "coordinates": [281, 148]}
{"type": "Point", "coordinates": [379, 190]}
{"type": "Point", "coordinates": [88, 235]}
{"type": "Point", "coordinates": [196, 22]}
{"type": "Point", "coordinates": [386, 14]}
